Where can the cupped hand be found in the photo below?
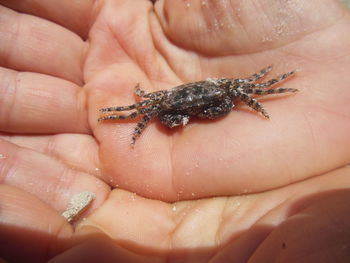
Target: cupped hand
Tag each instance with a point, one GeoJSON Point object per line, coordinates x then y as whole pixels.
{"type": "Point", "coordinates": [61, 62]}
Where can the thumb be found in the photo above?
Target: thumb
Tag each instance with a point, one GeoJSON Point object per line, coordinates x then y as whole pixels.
{"type": "Point", "coordinates": [204, 25]}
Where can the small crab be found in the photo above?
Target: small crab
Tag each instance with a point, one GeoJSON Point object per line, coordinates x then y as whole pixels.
{"type": "Point", "coordinates": [208, 99]}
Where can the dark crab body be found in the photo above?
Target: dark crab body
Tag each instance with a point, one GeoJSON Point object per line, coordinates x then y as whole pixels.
{"type": "Point", "coordinates": [203, 99]}
{"type": "Point", "coordinates": [207, 99]}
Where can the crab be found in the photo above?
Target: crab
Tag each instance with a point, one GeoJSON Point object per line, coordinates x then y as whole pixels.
{"type": "Point", "coordinates": [208, 99]}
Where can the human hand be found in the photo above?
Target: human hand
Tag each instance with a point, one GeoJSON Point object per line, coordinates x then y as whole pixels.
{"type": "Point", "coordinates": [241, 154]}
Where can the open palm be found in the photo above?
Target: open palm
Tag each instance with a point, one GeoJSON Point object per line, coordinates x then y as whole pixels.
{"type": "Point", "coordinates": [273, 170]}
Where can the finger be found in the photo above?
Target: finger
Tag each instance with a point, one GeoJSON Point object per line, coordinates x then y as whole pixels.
{"type": "Point", "coordinates": [102, 249]}
{"type": "Point", "coordinates": [30, 230]}
{"type": "Point", "coordinates": [34, 44]}
{"type": "Point", "coordinates": [313, 211]}
{"type": "Point", "coordinates": [240, 222]}
{"type": "Point", "coordinates": [207, 25]}
{"type": "Point", "coordinates": [46, 178]}
{"type": "Point", "coordinates": [77, 151]}
{"type": "Point", "coordinates": [37, 103]}
{"type": "Point", "coordinates": [315, 233]}
{"type": "Point", "coordinates": [76, 16]}
{"type": "Point", "coordinates": [254, 26]}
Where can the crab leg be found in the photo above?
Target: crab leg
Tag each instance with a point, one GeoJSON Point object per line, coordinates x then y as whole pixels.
{"type": "Point", "coordinates": [271, 81]}
{"type": "Point", "coordinates": [142, 124]}
{"type": "Point", "coordinates": [129, 107]}
{"type": "Point", "coordinates": [255, 76]}
{"type": "Point", "coordinates": [251, 102]}
{"type": "Point", "coordinates": [260, 91]}
{"type": "Point", "coordinates": [130, 116]}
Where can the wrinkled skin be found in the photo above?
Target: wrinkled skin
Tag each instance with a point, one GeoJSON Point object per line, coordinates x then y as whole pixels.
{"type": "Point", "coordinates": [257, 190]}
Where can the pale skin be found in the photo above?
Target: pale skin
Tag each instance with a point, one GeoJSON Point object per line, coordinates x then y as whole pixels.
{"type": "Point", "coordinates": [237, 189]}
